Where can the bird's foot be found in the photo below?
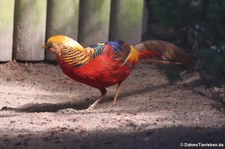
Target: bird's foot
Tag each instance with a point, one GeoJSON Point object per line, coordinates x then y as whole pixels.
{"type": "Point", "coordinates": [90, 108]}
{"type": "Point", "coordinates": [113, 103]}
{"type": "Point", "coordinates": [68, 111]}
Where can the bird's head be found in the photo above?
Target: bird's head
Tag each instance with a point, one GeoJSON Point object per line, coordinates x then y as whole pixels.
{"type": "Point", "coordinates": [58, 42]}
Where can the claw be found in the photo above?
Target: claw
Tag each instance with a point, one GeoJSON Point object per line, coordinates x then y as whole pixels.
{"type": "Point", "coordinates": [103, 93]}
{"type": "Point", "coordinates": [90, 108]}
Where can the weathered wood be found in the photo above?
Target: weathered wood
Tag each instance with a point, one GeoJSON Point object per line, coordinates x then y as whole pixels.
{"type": "Point", "coordinates": [6, 29]}
{"type": "Point", "coordinates": [93, 21]}
{"type": "Point", "coordinates": [62, 18]}
{"type": "Point", "coordinates": [126, 20]}
{"type": "Point", "coordinates": [29, 30]}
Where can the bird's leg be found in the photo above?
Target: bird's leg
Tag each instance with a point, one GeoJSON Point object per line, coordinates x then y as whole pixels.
{"type": "Point", "coordinates": [117, 92]}
{"type": "Point", "coordinates": [103, 93]}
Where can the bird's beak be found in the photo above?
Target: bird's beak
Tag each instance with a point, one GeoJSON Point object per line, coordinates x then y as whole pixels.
{"type": "Point", "coordinates": [44, 46]}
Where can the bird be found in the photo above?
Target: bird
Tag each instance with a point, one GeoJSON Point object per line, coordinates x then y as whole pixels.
{"type": "Point", "coordinates": [111, 62]}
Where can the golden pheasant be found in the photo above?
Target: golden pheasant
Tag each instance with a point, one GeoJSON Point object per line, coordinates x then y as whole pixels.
{"type": "Point", "coordinates": [109, 63]}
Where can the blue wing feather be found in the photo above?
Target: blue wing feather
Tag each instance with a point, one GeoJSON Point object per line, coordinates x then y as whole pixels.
{"type": "Point", "coordinates": [121, 48]}
{"type": "Point", "coordinates": [117, 45]}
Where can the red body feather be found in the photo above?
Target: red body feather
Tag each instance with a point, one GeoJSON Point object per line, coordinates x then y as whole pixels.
{"type": "Point", "coordinates": [102, 71]}
{"type": "Point", "coordinates": [149, 53]}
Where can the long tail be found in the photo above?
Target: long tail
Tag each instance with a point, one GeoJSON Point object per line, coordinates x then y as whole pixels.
{"type": "Point", "coordinates": [161, 52]}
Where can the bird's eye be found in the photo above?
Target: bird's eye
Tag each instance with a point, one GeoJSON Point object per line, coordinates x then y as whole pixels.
{"type": "Point", "coordinates": [53, 44]}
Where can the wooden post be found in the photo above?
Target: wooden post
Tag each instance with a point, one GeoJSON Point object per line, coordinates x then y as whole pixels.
{"type": "Point", "coordinates": [29, 30]}
{"type": "Point", "coordinates": [93, 21]}
{"type": "Point", "coordinates": [6, 29]}
{"type": "Point", "coordinates": [62, 18]}
{"type": "Point", "coordinates": [126, 20]}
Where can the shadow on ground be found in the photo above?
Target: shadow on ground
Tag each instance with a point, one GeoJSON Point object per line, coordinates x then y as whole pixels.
{"type": "Point", "coordinates": [169, 138]}
{"type": "Point", "coordinates": [77, 105]}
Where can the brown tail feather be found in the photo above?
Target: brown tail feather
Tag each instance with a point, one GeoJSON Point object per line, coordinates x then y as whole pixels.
{"type": "Point", "coordinates": [162, 52]}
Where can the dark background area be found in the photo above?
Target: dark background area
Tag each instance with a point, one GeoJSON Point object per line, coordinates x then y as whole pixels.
{"type": "Point", "coordinates": [195, 25]}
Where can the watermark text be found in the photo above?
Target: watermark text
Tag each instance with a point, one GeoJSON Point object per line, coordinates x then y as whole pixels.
{"type": "Point", "coordinates": [200, 144]}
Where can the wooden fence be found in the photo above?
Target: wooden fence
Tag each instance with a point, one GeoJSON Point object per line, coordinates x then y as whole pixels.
{"type": "Point", "coordinates": [26, 24]}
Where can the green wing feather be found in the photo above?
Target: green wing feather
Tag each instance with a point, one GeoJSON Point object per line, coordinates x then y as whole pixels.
{"type": "Point", "coordinates": [98, 49]}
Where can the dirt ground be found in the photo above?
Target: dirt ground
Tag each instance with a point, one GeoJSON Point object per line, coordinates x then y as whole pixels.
{"type": "Point", "coordinates": [43, 109]}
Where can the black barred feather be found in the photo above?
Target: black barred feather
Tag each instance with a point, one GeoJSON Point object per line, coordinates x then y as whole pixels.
{"type": "Point", "coordinates": [80, 58]}
{"type": "Point", "coordinates": [74, 57]}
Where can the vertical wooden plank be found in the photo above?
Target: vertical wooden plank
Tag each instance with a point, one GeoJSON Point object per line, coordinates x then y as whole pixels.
{"type": "Point", "coordinates": [6, 29]}
{"type": "Point", "coordinates": [29, 30]}
{"type": "Point", "coordinates": [93, 21]}
{"type": "Point", "coordinates": [62, 18]}
{"type": "Point", "coordinates": [126, 20]}
{"type": "Point", "coordinates": [145, 21]}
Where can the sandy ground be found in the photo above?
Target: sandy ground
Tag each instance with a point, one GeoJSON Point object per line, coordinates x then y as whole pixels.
{"type": "Point", "coordinates": [43, 109]}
